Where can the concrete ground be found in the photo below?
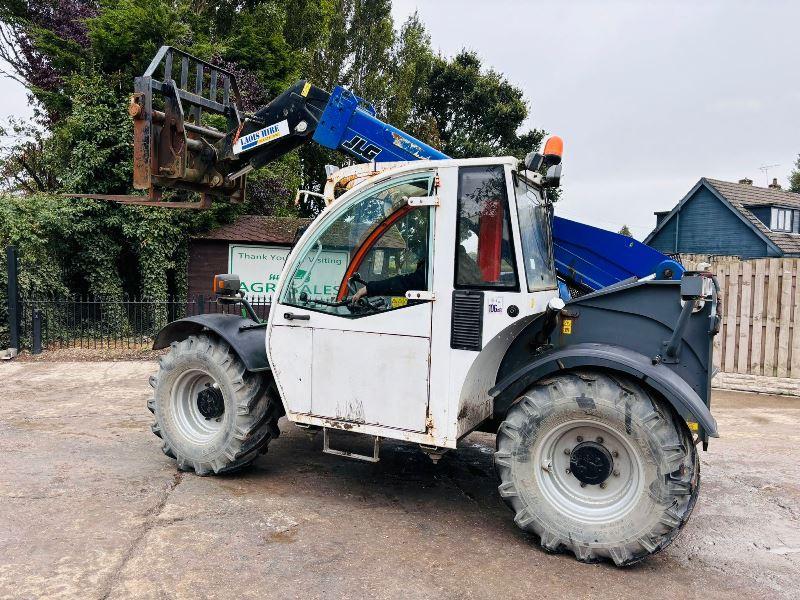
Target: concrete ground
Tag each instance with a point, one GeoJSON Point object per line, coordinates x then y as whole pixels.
{"type": "Point", "coordinates": [91, 508]}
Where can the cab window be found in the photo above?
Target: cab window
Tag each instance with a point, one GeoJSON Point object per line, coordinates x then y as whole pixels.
{"type": "Point", "coordinates": [484, 249]}
{"type": "Point", "coordinates": [535, 226]}
{"type": "Point", "coordinates": [378, 242]}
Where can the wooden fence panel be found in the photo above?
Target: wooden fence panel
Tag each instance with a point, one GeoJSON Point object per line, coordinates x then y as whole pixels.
{"type": "Point", "coordinates": [760, 332]}
{"type": "Point", "coordinates": [784, 323]}
{"type": "Point", "coordinates": [771, 322]}
{"type": "Point", "coordinates": [794, 359]}
{"type": "Point", "coordinates": [745, 323]}
{"type": "Point", "coordinates": [732, 310]}
{"type": "Point", "coordinates": [759, 291]}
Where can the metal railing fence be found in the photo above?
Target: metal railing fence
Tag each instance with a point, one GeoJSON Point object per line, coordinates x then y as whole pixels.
{"type": "Point", "coordinates": [48, 322]}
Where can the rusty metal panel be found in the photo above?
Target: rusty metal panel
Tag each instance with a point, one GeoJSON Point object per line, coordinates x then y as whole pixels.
{"type": "Point", "coordinates": [172, 148]}
{"type": "Point", "coordinates": [141, 110]}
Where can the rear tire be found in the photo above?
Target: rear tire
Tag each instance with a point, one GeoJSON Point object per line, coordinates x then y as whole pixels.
{"type": "Point", "coordinates": [212, 415]}
{"type": "Point", "coordinates": [596, 465]}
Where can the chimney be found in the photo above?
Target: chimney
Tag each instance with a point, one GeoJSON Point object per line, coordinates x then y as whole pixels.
{"type": "Point", "coordinates": [774, 185]}
{"type": "Point", "coordinates": [660, 215]}
{"type": "Point", "coordinates": [746, 181]}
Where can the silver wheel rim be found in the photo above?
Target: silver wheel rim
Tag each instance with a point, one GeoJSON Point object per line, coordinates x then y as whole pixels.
{"type": "Point", "coordinates": [588, 503]}
{"type": "Point", "coordinates": [188, 418]}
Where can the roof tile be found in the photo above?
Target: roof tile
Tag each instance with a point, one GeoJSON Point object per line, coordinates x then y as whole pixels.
{"type": "Point", "coordinates": [257, 229]}
{"type": "Point", "coordinates": [742, 195]}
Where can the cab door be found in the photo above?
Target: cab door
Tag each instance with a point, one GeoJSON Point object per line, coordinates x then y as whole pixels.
{"type": "Point", "coordinates": [363, 362]}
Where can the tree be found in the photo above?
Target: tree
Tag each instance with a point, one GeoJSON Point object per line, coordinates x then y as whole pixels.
{"type": "Point", "coordinates": [413, 58]}
{"type": "Point", "coordinates": [794, 178]}
{"type": "Point", "coordinates": [477, 112]}
{"type": "Point", "coordinates": [356, 52]}
{"type": "Point", "coordinates": [26, 164]}
{"type": "Point", "coordinates": [42, 42]}
{"type": "Point", "coordinates": [625, 231]}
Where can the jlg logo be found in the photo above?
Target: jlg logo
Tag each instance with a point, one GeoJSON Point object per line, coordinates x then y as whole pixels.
{"type": "Point", "coordinates": [361, 147]}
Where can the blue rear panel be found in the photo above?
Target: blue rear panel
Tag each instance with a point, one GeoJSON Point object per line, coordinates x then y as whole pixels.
{"type": "Point", "coordinates": [595, 258]}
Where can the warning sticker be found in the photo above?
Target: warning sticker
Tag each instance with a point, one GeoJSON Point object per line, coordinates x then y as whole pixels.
{"type": "Point", "coordinates": [496, 304]}
{"type": "Point", "coordinates": [398, 301]}
{"type": "Point", "coordinates": [262, 136]}
{"type": "Point", "coordinates": [566, 327]}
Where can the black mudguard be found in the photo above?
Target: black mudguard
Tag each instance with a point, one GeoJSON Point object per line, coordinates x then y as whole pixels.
{"type": "Point", "coordinates": [624, 328]}
{"type": "Point", "coordinates": [608, 357]}
{"type": "Point", "coordinates": [245, 336]}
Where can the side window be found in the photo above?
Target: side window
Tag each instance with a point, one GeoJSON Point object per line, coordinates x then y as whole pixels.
{"type": "Point", "coordinates": [378, 242]}
{"type": "Point", "coordinates": [484, 249]}
{"type": "Point", "coordinates": [398, 260]}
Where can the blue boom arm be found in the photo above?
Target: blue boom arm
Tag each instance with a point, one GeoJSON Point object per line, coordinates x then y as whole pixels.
{"type": "Point", "coordinates": [348, 123]}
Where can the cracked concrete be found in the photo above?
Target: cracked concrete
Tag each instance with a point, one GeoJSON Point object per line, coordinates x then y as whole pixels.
{"type": "Point", "coordinates": [91, 508]}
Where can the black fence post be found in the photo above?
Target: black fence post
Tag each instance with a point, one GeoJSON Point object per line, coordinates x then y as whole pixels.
{"type": "Point", "coordinates": [13, 296]}
{"type": "Point", "coordinates": [36, 347]}
{"type": "Point", "coordinates": [201, 304]}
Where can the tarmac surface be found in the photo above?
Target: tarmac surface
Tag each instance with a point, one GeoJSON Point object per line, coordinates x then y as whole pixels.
{"type": "Point", "coordinates": [91, 508]}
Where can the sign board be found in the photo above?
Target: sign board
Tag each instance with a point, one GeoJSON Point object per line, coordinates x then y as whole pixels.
{"type": "Point", "coordinates": [259, 268]}
{"type": "Point", "coordinates": [262, 136]}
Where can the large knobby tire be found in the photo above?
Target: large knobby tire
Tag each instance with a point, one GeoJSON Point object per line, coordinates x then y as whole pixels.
{"type": "Point", "coordinates": [211, 413]}
{"type": "Point", "coordinates": [595, 465]}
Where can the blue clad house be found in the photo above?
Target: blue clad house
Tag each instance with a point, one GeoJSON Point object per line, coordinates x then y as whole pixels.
{"type": "Point", "coordinates": [736, 219]}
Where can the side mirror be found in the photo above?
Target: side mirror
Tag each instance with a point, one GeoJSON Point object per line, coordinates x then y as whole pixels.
{"type": "Point", "coordinates": [532, 162]}
{"type": "Point", "coordinates": [553, 177]}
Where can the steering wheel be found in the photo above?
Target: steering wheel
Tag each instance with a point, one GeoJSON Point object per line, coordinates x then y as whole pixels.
{"type": "Point", "coordinates": [363, 304]}
{"type": "Point", "coordinates": [351, 284]}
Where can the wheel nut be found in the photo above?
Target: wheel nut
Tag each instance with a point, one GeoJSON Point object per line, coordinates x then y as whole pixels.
{"type": "Point", "coordinates": [615, 454]}
{"type": "Point", "coordinates": [567, 450]}
{"type": "Point", "coordinates": [599, 439]}
{"type": "Point", "coordinates": [603, 485]}
{"type": "Point", "coordinates": [616, 473]}
{"type": "Point", "coordinates": [580, 438]}
{"type": "Point", "coordinates": [568, 471]}
{"type": "Point", "coordinates": [583, 484]}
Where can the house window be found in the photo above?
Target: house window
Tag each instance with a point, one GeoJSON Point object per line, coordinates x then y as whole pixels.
{"type": "Point", "coordinates": [784, 219]}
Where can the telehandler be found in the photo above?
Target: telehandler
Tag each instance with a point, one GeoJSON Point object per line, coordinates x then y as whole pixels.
{"type": "Point", "coordinates": [428, 301]}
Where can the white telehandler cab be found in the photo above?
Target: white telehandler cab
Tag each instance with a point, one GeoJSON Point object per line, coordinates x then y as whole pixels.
{"type": "Point", "coordinates": [428, 301]}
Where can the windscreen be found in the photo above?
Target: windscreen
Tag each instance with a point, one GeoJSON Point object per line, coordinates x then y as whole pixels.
{"type": "Point", "coordinates": [535, 221]}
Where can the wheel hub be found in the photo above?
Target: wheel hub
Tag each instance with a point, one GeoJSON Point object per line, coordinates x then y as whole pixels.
{"type": "Point", "coordinates": [210, 403]}
{"type": "Point", "coordinates": [591, 463]}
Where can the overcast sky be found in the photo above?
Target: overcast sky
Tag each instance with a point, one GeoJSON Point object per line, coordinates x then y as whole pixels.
{"type": "Point", "coordinates": [648, 96]}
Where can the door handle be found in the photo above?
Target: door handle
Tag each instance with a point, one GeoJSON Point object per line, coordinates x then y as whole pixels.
{"type": "Point", "coordinates": [293, 317]}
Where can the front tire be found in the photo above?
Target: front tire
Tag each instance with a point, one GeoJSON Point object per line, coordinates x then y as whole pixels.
{"type": "Point", "coordinates": [595, 465]}
{"type": "Point", "coordinates": [212, 415]}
